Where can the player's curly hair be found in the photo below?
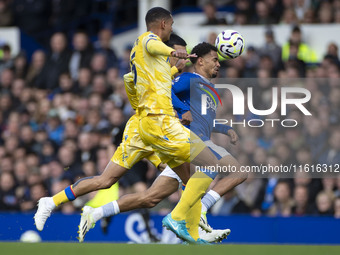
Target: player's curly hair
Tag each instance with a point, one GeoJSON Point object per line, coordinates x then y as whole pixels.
{"type": "Point", "coordinates": [201, 50]}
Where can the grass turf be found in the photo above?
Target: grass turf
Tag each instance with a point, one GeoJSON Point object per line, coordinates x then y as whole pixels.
{"type": "Point", "coordinates": [160, 249]}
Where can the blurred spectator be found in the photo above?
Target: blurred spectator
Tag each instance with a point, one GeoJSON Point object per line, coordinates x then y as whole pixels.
{"type": "Point", "coordinates": [325, 15]}
{"type": "Point", "coordinates": [283, 201]}
{"type": "Point", "coordinates": [241, 18]}
{"type": "Point", "coordinates": [289, 17]}
{"type": "Point", "coordinates": [229, 204]}
{"type": "Point", "coordinates": [252, 60]}
{"type": "Point", "coordinates": [124, 61]}
{"type": "Point", "coordinates": [272, 49]}
{"type": "Point", "coordinates": [34, 72]}
{"type": "Point", "coordinates": [212, 16]}
{"type": "Point", "coordinates": [83, 84]}
{"type": "Point", "coordinates": [95, 122]}
{"type": "Point", "coordinates": [249, 190]}
{"type": "Point", "coordinates": [6, 60]}
{"type": "Point", "coordinates": [324, 203]}
{"type": "Point", "coordinates": [304, 52]}
{"type": "Point", "coordinates": [302, 204]}
{"type": "Point", "coordinates": [337, 208]}
{"type": "Point", "coordinates": [103, 45]}
{"type": "Point", "coordinates": [6, 15]}
{"type": "Point", "coordinates": [316, 137]}
{"type": "Point", "coordinates": [86, 148]}
{"type": "Point", "coordinates": [8, 199]}
{"type": "Point", "coordinates": [54, 127]}
{"type": "Point", "coordinates": [6, 79]}
{"type": "Point", "coordinates": [337, 16]}
{"type": "Point", "coordinates": [301, 7]}
{"type": "Point", "coordinates": [68, 160]}
{"type": "Point", "coordinates": [56, 63]}
{"type": "Point", "coordinates": [98, 63]}
{"type": "Point", "coordinates": [20, 66]}
{"type": "Point", "coordinates": [309, 16]}
{"type": "Point", "coordinates": [332, 155]}
{"type": "Point", "coordinates": [81, 55]}
{"type": "Point", "coordinates": [263, 14]}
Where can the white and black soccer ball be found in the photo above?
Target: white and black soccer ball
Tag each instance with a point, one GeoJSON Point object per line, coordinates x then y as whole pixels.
{"type": "Point", "coordinates": [230, 44]}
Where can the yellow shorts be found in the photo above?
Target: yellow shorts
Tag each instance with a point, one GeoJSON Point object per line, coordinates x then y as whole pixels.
{"type": "Point", "coordinates": [132, 149]}
{"type": "Point", "coordinates": [172, 142]}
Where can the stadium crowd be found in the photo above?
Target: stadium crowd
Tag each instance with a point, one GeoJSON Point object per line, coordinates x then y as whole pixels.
{"type": "Point", "coordinates": [62, 115]}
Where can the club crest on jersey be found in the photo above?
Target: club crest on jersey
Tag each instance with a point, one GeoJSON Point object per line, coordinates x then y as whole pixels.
{"type": "Point", "coordinates": [124, 157]}
{"type": "Point", "coordinates": [207, 99]}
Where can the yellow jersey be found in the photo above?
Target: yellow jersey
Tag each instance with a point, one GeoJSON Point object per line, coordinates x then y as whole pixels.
{"type": "Point", "coordinates": [130, 87]}
{"type": "Point", "coordinates": [150, 66]}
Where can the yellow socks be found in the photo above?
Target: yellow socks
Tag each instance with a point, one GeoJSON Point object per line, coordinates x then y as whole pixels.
{"type": "Point", "coordinates": [193, 219]}
{"type": "Point", "coordinates": [64, 196]}
{"type": "Point", "coordinates": [195, 188]}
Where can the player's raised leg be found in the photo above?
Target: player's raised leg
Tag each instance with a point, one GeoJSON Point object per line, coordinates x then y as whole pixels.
{"type": "Point", "coordinates": [46, 205]}
{"type": "Point", "coordinates": [160, 189]}
{"type": "Point", "coordinates": [225, 184]}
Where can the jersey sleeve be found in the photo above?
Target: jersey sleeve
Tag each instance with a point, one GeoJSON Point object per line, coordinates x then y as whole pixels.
{"type": "Point", "coordinates": [131, 90]}
{"type": "Point", "coordinates": [181, 84]}
{"type": "Point", "coordinates": [174, 70]}
{"type": "Point", "coordinates": [178, 105]}
{"type": "Point", "coordinates": [155, 46]}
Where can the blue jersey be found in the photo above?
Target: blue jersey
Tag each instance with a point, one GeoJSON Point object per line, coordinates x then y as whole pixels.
{"type": "Point", "coordinates": [187, 91]}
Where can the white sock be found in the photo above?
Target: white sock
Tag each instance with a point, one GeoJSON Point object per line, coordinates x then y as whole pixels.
{"type": "Point", "coordinates": [107, 210]}
{"type": "Point", "coordinates": [98, 213]}
{"type": "Point", "coordinates": [209, 200]}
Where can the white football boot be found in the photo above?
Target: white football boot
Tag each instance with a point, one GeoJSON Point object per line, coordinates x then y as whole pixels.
{"type": "Point", "coordinates": [215, 236]}
{"type": "Point", "coordinates": [87, 222]}
{"type": "Point", "coordinates": [204, 222]}
{"type": "Point", "coordinates": [45, 207]}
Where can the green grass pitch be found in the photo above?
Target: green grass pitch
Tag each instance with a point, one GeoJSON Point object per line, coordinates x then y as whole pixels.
{"type": "Point", "coordinates": [160, 249]}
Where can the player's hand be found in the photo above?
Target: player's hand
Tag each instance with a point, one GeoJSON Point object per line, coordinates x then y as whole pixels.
{"type": "Point", "coordinates": [183, 54]}
{"type": "Point", "coordinates": [233, 136]}
{"type": "Point", "coordinates": [181, 63]}
{"type": "Point", "coordinates": [186, 118]}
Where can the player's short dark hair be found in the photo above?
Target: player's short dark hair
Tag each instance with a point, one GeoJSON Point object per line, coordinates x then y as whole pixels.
{"type": "Point", "coordinates": [155, 14]}
{"type": "Point", "coordinates": [201, 50]}
{"type": "Point", "coordinates": [175, 40]}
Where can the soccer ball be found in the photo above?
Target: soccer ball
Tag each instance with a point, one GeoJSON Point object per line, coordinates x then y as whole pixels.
{"type": "Point", "coordinates": [230, 44]}
{"type": "Point", "coordinates": [30, 236]}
